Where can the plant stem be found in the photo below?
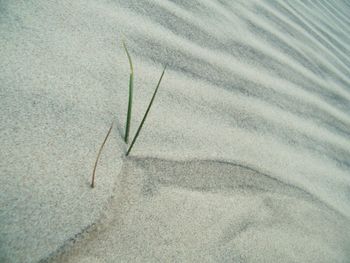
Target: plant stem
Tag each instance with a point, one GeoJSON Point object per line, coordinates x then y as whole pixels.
{"type": "Point", "coordinates": [147, 111]}
{"type": "Point", "coordinates": [131, 86]}
{"type": "Point", "coordinates": [98, 157]}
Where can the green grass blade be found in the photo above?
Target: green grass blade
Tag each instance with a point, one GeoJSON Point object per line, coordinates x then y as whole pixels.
{"type": "Point", "coordinates": [147, 111]}
{"type": "Point", "coordinates": [131, 87]}
{"type": "Point", "coordinates": [98, 157]}
{"type": "Point", "coordinates": [128, 115]}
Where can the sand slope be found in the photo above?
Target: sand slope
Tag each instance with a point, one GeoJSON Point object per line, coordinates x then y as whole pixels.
{"type": "Point", "coordinates": [205, 211]}
{"type": "Point", "coordinates": [260, 84]}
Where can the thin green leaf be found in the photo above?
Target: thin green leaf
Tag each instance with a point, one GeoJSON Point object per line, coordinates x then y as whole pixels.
{"type": "Point", "coordinates": [145, 116]}
{"type": "Point", "coordinates": [131, 87]}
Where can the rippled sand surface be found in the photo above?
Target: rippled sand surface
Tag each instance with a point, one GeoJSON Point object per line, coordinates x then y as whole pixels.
{"type": "Point", "coordinates": [245, 155]}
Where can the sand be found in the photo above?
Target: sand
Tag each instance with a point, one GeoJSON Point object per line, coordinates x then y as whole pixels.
{"type": "Point", "coordinates": [245, 156]}
{"type": "Point", "coordinates": [206, 211]}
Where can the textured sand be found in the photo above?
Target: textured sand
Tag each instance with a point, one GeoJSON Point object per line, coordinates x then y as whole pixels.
{"type": "Point", "coordinates": [258, 84]}
{"type": "Point", "coordinates": [206, 211]}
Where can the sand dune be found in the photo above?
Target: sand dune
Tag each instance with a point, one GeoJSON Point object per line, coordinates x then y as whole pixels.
{"type": "Point", "coordinates": [207, 211]}
{"type": "Point", "coordinates": [245, 155]}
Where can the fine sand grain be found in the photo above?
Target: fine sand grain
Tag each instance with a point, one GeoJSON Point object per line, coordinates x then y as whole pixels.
{"type": "Point", "coordinates": [209, 211]}
{"type": "Point", "coordinates": [244, 156]}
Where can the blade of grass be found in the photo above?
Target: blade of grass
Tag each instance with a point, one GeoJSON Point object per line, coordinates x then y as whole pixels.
{"type": "Point", "coordinates": [131, 86]}
{"type": "Point", "coordinates": [98, 157]}
{"type": "Point", "coordinates": [147, 111]}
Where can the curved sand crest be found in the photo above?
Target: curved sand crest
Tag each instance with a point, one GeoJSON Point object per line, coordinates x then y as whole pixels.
{"type": "Point", "coordinates": [209, 211]}
{"type": "Point", "coordinates": [258, 82]}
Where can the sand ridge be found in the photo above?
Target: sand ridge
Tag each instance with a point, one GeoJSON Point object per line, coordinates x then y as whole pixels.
{"type": "Point", "coordinates": [256, 83]}
{"type": "Point", "coordinates": [210, 211]}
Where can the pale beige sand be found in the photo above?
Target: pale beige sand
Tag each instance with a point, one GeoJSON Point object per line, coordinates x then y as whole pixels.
{"type": "Point", "coordinates": [205, 211]}
{"type": "Point", "coordinates": [256, 83]}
